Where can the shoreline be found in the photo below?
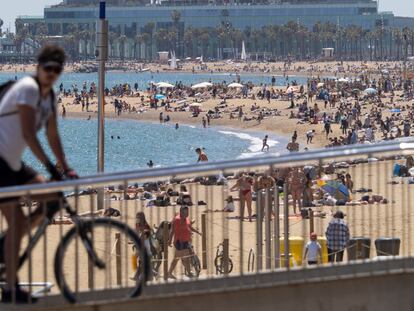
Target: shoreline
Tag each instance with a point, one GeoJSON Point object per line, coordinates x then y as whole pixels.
{"type": "Point", "coordinates": [279, 140]}
{"type": "Point", "coordinates": [281, 137]}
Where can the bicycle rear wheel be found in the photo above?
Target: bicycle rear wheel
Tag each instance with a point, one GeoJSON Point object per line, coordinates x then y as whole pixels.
{"type": "Point", "coordinates": [117, 246]}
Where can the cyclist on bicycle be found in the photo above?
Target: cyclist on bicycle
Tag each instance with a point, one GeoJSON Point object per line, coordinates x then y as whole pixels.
{"type": "Point", "coordinates": [181, 232]}
{"type": "Point", "coordinates": [27, 106]}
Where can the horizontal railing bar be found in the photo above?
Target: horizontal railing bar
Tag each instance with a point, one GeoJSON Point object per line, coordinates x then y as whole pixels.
{"type": "Point", "coordinates": [210, 167]}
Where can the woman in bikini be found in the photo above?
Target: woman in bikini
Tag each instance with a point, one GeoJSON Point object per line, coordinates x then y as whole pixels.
{"type": "Point", "coordinates": [244, 184]}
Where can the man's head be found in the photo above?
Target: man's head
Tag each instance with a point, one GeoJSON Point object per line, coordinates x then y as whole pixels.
{"type": "Point", "coordinates": [50, 64]}
{"type": "Point", "coordinates": [184, 211]}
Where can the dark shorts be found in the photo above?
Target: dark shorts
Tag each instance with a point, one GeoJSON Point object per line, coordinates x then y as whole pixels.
{"type": "Point", "coordinates": [9, 178]}
{"type": "Point", "coordinates": [179, 246]}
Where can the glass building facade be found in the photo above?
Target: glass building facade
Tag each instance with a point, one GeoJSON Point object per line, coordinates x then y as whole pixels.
{"type": "Point", "coordinates": [130, 20]}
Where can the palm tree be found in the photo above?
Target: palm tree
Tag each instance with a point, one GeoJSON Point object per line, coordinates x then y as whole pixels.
{"type": "Point", "coordinates": [1, 25]}
{"type": "Point", "coordinates": [149, 29]}
{"type": "Point", "coordinates": [112, 36]}
{"type": "Point", "coordinates": [122, 40]}
{"type": "Point", "coordinates": [138, 40]}
{"type": "Point", "coordinates": [176, 16]}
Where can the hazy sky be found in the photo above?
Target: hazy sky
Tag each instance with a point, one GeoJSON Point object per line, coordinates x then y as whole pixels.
{"type": "Point", "coordinates": [12, 8]}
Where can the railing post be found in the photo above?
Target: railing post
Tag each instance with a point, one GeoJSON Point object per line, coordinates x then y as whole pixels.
{"type": "Point", "coordinates": [204, 241]}
{"type": "Point", "coordinates": [259, 230]}
{"type": "Point", "coordinates": [268, 236]}
{"type": "Point", "coordinates": [311, 221]}
{"type": "Point", "coordinates": [118, 258]}
{"type": "Point", "coordinates": [165, 237]}
{"type": "Point", "coordinates": [286, 224]}
{"type": "Point", "coordinates": [276, 234]}
{"type": "Point", "coordinates": [226, 256]}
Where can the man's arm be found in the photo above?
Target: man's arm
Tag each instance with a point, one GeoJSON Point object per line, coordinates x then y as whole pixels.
{"type": "Point", "coordinates": [171, 233]}
{"type": "Point", "coordinates": [195, 230]}
{"type": "Point", "coordinates": [55, 142]}
{"type": "Point", "coordinates": [28, 123]}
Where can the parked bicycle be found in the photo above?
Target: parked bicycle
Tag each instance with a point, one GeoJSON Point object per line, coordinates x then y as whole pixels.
{"type": "Point", "coordinates": [219, 261]}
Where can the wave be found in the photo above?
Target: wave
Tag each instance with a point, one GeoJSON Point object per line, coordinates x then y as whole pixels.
{"type": "Point", "coordinates": [256, 144]}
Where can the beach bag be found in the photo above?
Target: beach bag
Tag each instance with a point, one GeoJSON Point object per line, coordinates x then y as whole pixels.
{"type": "Point", "coordinates": [396, 170]}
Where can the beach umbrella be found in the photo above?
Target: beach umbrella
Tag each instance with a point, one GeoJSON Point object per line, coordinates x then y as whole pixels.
{"type": "Point", "coordinates": [235, 85]}
{"type": "Point", "coordinates": [343, 80]}
{"type": "Point", "coordinates": [159, 96]}
{"type": "Point", "coordinates": [370, 90]}
{"type": "Point", "coordinates": [292, 89]}
{"type": "Point", "coordinates": [164, 85]}
{"type": "Point", "coordinates": [201, 85]}
{"type": "Point", "coordinates": [335, 188]}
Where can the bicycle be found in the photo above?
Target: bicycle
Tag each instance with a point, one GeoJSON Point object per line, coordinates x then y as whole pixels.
{"type": "Point", "coordinates": [88, 232]}
{"type": "Point", "coordinates": [194, 262]}
{"type": "Point", "coordinates": [219, 261]}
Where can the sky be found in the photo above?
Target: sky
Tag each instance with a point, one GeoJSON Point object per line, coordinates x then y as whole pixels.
{"type": "Point", "coordinates": [9, 12]}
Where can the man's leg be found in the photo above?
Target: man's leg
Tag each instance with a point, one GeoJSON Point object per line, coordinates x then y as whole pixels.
{"type": "Point", "coordinates": [16, 230]}
{"type": "Point", "coordinates": [177, 256]}
{"type": "Point", "coordinates": [331, 255]}
{"type": "Point", "coordinates": [339, 256]}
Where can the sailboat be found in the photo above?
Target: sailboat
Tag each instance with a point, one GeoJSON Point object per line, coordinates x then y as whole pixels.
{"type": "Point", "coordinates": [173, 62]}
{"type": "Point", "coordinates": [243, 55]}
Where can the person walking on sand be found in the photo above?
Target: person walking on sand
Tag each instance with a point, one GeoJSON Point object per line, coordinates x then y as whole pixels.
{"type": "Point", "coordinates": [181, 233]}
{"type": "Point", "coordinates": [296, 182]}
{"type": "Point", "coordinates": [265, 144]}
{"type": "Point", "coordinates": [309, 136]}
{"type": "Point", "coordinates": [337, 237]}
{"type": "Point", "coordinates": [244, 184]}
{"type": "Point", "coordinates": [313, 250]}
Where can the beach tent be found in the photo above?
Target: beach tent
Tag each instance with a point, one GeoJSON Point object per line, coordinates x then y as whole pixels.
{"type": "Point", "coordinates": [235, 85]}
{"type": "Point", "coordinates": [164, 85]}
{"type": "Point", "coordinates": [195, 105]}
{"type": "Point", "coordinates": [159, 96]}
{"type": "Point", "coordinates": [335, 188]}
{"type": "Point", "coordinates": [201, 85]}
{"type": "Point", "coordinates": [370, 90]}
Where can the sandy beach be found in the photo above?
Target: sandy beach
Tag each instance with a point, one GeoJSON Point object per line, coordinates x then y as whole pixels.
{"type": "Point", "coordinates": [389, 219]}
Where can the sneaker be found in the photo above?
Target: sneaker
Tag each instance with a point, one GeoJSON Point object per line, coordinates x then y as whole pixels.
{"type": "Point", "coordinates": [21, 296]}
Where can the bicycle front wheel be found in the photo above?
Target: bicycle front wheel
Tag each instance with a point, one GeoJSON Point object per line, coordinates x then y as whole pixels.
{"type": "Point", "coordinates": [118, 249]}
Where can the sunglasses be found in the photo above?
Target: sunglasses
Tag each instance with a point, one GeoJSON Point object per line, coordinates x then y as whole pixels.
{"type": "Point", "coordinates": [54, 69]}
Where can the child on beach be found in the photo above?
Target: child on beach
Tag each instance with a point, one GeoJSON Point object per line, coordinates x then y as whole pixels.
{"type": "Point", "coordinates": [313, 250]}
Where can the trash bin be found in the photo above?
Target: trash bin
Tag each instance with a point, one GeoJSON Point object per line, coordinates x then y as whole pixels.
{"type": "Point", "coordinates": [296, 245]}
{"type": "Point", "coordinates": [359, 248]}
{"type": "Point", "coordinates": [387, 246]}
{"type": "Point", "coordinates": [322, 241]}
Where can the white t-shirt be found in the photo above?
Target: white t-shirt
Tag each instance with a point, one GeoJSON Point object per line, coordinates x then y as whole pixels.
{"type": "Point", "coordinates": [12, 143]}
{"type": "Point", "coordinates": [313, 248]}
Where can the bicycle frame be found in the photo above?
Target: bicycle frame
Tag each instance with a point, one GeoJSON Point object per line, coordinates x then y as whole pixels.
{"type": "Point", "coordinates": [48, 219]}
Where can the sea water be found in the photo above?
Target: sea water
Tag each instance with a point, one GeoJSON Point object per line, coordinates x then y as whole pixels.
{"type": "Point", "coordinates": [145, 78]}
{"type": "Point", "coordinates": [131, 144]}
{"type": "Point", "coordinates": [140, 142]}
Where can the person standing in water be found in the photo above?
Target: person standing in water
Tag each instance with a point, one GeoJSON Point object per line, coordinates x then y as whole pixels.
{"type": "Point", "coordinates": [265, 145]}
{"type": "Point", "coordinates": [202, 157]}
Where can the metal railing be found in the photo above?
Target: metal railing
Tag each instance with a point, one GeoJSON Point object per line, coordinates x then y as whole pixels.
{"type": "Point", "coordinates": [291, 196]}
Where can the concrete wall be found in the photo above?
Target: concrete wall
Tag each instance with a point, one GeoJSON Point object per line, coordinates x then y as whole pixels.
{"type": "Point", "coordinates": [381, 286]}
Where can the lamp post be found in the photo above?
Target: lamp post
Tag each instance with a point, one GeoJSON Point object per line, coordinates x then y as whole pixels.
{"type": "Point", "coordinates": [101, 55]}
